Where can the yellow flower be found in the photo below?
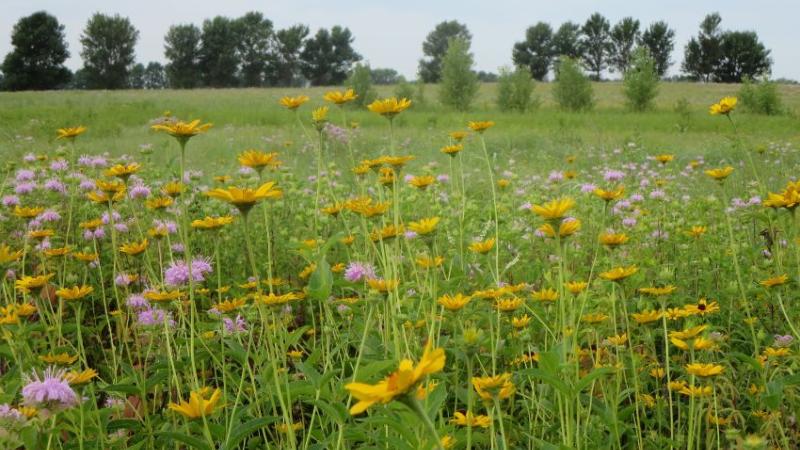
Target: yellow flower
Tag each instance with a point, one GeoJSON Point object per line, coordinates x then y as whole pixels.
{"type": "Point", "coordinates": [720, 173]}
{"type": "Point", "coordinates": [319, 116]}
{"type": "Point", "coordinates": [40, 234]}
{"type": "Point", "coordinates": [480, 126]}
{"type": "Point", "coordinates": [158, 202]}
{"type": "Point", "coordinates": [382, 285]}
{"type": "Point", "coordinates": [658, 291]}
{"type": "Point", "coordinates": [245, 198]}
{"type": "Point", "coordinates": [26, 212]}
{"type": "Point", "coordinates": [546, 295]}
{"type": "Point", "coordinates": [257, 159]}
{"type": "Point", "coordinates": [447, 442]}
{"type": "Point", "coordinates": [70, 132]}
{"type": "Point", "coordinates": [102, 197]}
{"type": "Point", "coordinates": [134, 248]}
{"type": "Point", "coordinates": [422, 182]}
{"type": "Point", "coordinates": [724, 107]}
{"type": "Point", "coordinates": [554, 209]}
{"type": "Point", "coordinates": [771, 352]}
{"type": "Point", "coordinates": [61, 358]}
{"type": "Point", "coordinates": [123, 170]}
{"type": "Point", "coordinates": [183, 131]}
{"type": "Point", "coordinates": [173, 188]}
{"type": "Point", "coordinates": [229, 305]}
{"type": "Point", "coordinates": [458, 136]}
{"type": "Point", "coordinates": [284, 428]}
{"type": "Point", "coordinates": [646, 316]}
{"type": "Point", "coordinates": [508, 304]}
{"type": "Point", "coordinates": [452, 150]}
{"type": "Point", "coordinates": [482, 247]}
{"type": "Point", "coordinates": [76, 378]}
{"type": "Point", "coordinates": [702, 307]}
{"type": "Point", "coordinates": [212, 223]}
{"type": "Point", "coordinates": [576, 287]}
{"type": "Point", "coordinates": [609, 195]}
{"type": "Point", "coordinates": [613, 239]}
{"type": "Point", "coordinates": [8, 255]}
{"type": "Point", "coordinates": [594, 318]}
{"type": "Point", "coordinates": [86, 257]}
{"type": "Point", "coordinates": [200, 404]}
{"type": "Point", "coordinates": [470, 420]}
{"type": "Point", "coordinates": [387, 232]}
{"type": "Point", "coordinates": [389, 107]}
{"type": "Point", "coordinates": [704, 370]}
{"type": "Point", "coordinates": [696, 231]}
{"type": "Point", "coordinates": [454, 302]}
{"type": "Point", "coordinates": [427, 262]}
{"type": "Point", "coordinates": [424, 226]}
{"type": "Point", "coordinates": [340, 98]}
{"type": "Point", "coordinates": [619, 339]}
{"type": "Point", "coordinates": [400, 382]}
{"type": "Point", "coordinates": [658, 372]}
{"type": "Point", "coordinates": [498, 386]}
{"type": "Point", "coordinates": [565, 229]}
{"type": "Point", "coordinates": [74, 293]}
{"type": "Point", "coordinates": [292, 103]}
{"type": "Point", "coordinates": [27, 282]}
{"type": "Point", "coordinates": [688, 333]}
{"type": "Point", "coordinates": [619, 273]}
{"type": "Point", "coordinates": [664, 158]}
{"type": "Point", "coordinates": [520, 322]}
{"type": "Point", "coordinates": [163, 296]}
{"type": "Point", "coordinates": [774, 281]}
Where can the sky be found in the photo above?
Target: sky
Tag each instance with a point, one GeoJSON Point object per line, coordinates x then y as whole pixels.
{"type": "Point", "coordinates": [390, 33]}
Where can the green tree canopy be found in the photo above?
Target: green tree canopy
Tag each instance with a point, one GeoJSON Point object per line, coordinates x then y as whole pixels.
{"type": "Point", "coordinates": [182, 50]}
{"type": "Point", "coordinates": [328, 56]}
{"type": "Point", "coordinates": [435, 46]}
{"type": "Point", "coordinates": [536, 52]}
{"type": "Point", "coordinates": [108, 51]}
{"type": "Point", "coordinates": [37, 60]}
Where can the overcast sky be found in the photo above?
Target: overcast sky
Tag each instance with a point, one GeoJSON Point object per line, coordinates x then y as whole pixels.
{"type": "Point", "coordinates": [390, 33]}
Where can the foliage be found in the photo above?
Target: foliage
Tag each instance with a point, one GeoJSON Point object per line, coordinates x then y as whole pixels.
{"type": "Point", "coordinates": [404, 89]}
{"type": "Point", "coordinates": [702, 54]}
{"type": "Point", "coordinates": [459, 83]}
{"type": "Point", "coordinates": [136, 77]}
{"type": "Point", "coordinates": [382, 76]}
{"type": "Point", "coordinates": [572, 90]}
{"type": "Point", "coordinates": [760, 97]}
{"type": "Point", "coordinates": [108, 51]}
{"type": "Point", "coordinates": [641, 80]}
{"type": "Point", "coordinates": [328, 56]}
{"type": "Point", "coordinates": [37, 59]}
{"type": "Point", "coordinates": [624, 37]}
{"type": "Point", "coordinates": [536, 52]}
{"type": "Point", "coordinates": [660, 40]}
{"type": "Point", "coordinates": [182, 50]}
{"type": "Point", "coordinates": [285, 64]}
{"type": "Point", "coordinates": [514, 90]}
{"type": "Point", "coordinates": [360, 81]}
{"type": "Point", "coordinates": [742, 55]}
{"type": "Point", "coordinates": [218, 60]}
{"type": "Point", "coordinates": [566, 41]}
{"type": "Point", "coordinates": [435, 47]}
{"type": "Point", "coordinates": [155, 76]}
{"type": "Point", "coordinates": [596, 44]}
{"type": "Point", "coordinates": [255, 38]}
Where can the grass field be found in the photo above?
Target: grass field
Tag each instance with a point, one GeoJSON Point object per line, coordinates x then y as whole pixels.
{"type": "Point", "coordinates": [556, 281]}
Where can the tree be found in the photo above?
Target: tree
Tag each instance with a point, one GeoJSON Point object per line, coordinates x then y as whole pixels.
{"type": "Point", "coordinates": [742, 55]}
{"type": "Point", "coordinates": [284, 65]}
{"type": "Point", "coordinates": [219, 61]}
{"type": "Point", "coordinates": [514, 89]}
{"type": "Point", "coordinates": [155, 76]}
{"type": "Point", "coordinates": [37, 60]}
{"type": "Point", "coordinates": [459, 83]}
{"type": "Point", "coordinates": [254, 47]}
{"type": "Point", "coordinates": [386, 76]}
{"type": "Point", "coordinates": [660, 41]}
{"type": "Point", "coordinates": [108, 51]}
{"type": "Point", "coordinates": [595, 44]}
{"type": "Point", "coordinates": [536, 51]}
{"type": "Point", "coordinates": [566, 41]}
{"type": "Point", "coordinates": [572, 89]}
{"type": "Point", "coordinates": [328, 56]}
{"type": "Point", "coordinates": [702, 54]}
{"type": "Point", "coordinates": [435, 47]}
{"type": "Point", "coordinates": [136, 77]}
{"type": "Point", "coordinates": [182, 50]}
{"type": "Point", "coordinates": [640, 82]}
{"type": "Point", "coordinates": [624, 36]}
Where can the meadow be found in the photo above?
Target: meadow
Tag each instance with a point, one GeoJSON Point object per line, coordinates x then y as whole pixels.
{"type": "Point", "coordinates": [274, 268]}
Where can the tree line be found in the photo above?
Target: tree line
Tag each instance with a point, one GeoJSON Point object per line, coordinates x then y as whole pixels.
{"type": "Point", "coordinates": [249, 51]}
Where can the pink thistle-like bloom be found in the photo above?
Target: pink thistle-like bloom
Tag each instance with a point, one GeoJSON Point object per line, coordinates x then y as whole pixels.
{"type": "Point", "coordinates": [155, 316]}
{"type": "Point", "coordinates": [178, 273]}
{"type": "Point", "coordinates": [50, 390]}
{"type": "Point", "coordinates": [59, 165]}
{"type": "Point", "coordinates": [49, 215]}
{"type": "Point", "coordinates": [357, 271]}
{"type": "Point", "coordinates": [613, 175]}
{"type": "Point", "coordinates": [10, 200]}
{"type": "Point", "coordinates": [234, 326]}
{"type": "Point", "coordinates": [24, 188]}
{"type": "Point", "coordinates": [139, 191]}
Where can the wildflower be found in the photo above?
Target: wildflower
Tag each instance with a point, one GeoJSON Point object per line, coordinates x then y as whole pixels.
{"type": "Point", "coordinates": [704, 370]}
{"type": "Point", "coordinates": [357, 271]}
{"type": "Point", "coordinates": [212, 223]}
{"type": "Point", "coordinates": [49, 390]}
{"type": "Point", "coordinates": [619, 339]}
{"type": "Point", "coordinates": [340, 98]}
{"type": "Point", "coordinates": [521, 321]}
{"type": "Point", "coordinates": [498, 386]}
{"type": "Point", "coordinates": [546, 295]}
{"type": "Point", "coordinates": [421, 182]}
{"type": "Point", "coordinates": [774, 281]}
{"type": "Point", "coordinates": [613, 240]}
{"type": "Point", "coordinates": [60, 358]}
{"type": "Point", "coordinates": [154, 317]}
{"type": "Point", "coordinates": [724, 107]}
{"type": "Point", "coordinates": [471, 420]}
{"type": "Point", "coordinates": [382, 285]}
{"type": "Point", "coordinates": [427, 262]}
{"type": "Point", "coordinates": [482, 247]}
{"type": "Point", "coordinates": [75, 378]}
{"type": "Point", "coordinates": [696, 231]}
{"type": "Point", "coordinates": [7, 255]}
{"type": "Point", "coordinates": [664, 158]}
{"type": "Point", "coordinates": [202, 403]}
{"type": "Point", "coordinates": [182, 131]}
{"type": "Point", "coordinates": [610, 195]}
{"type": "Point", "coordinates": [593, 318]}
{"type": "Point", "coordinates": [70, 133]}
{"type": "Point", "coordinates": [320, 117]}
{"type": "Point", "coordinates": [389, 107]}
{"type": "Point", "coordinates": [454, 302]}
{"type": "Point", "coordinates": [576, 287]}
{"type": "Point", "coordinates": [619, 273]}
{"type": "Point", "coordinates": [245, 198]}
{"type": "Point", "coordinates": [658, 291]}
{"type": "Point", "coordinates": [424, 226]}
{"type": "Point", "coordinates": [258, 160]}
{"type": "Point", "coordinates": [688, 333]}
{"type": "Point", "coordinates": [657, 372]}
{"type": "Point", "coordinates": [27, 282]}
{"type": "Point", "coordinates": [508, 304]}
{"type": "Point", "coordinates": [399, 383]}
{"type": "Point", "coordinates": [554, 209]}
{"type": "Point", "coordinates": [179, 274]}
{"type": "Point", "coordinates": [452, 150]}
{"type": "Point", "coordinates": [74, 293]}
{"type": "Point", "coordinates": [123, 171]}
{"type": "Point", "coordinates": [292, 103]}
{"type": "Point", "coordinates": [702, 307]}
{"type": "Point", "coordinates": [134, 248]}
{"type": "Point", "coordinates": [480, 126]}
{"type": "Point", "coordinates": [719, 174]}
{"type": "Point", "coordinates": [565, 229]}
{"type": "Point", "coordinates": [646, 316]}
{"type": "Point", "coordinates": [233, 326]}
{"type": "Point", "coordinates": [158, 203]}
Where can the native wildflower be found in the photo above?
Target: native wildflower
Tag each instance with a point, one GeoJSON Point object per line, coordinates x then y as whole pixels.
{"type": "Point", "coordinates": [202, 403]}
{"type": "Point", "coordinates": [482, 247]}
{"type": "Point", "coordinates": [454, 302]}
{"type": "Point", "coordinates": [245, 198]}
{"type": "Point", "coordinates": [292, 103]}
{"type": "Point", "coordinates": [725, 106]}
{"type": "Point", "coordinates": [619, 273]}
{"type": "Point", "coordinates": [704, 370]}
{"type": "Point", "coordinates": [480, 126]}
{"type": "Point", "coordinates": [491, 387]}
{"type": "Point", "coordinates": [554, 209]}
{"type": "Point", "coordinates": [719, 174]}
{"type": "Point", "coordinates": [340, 98]}
{"type": "Point", "coordinates": [49, 390]}
{"type": "Point", "coordinates": [389, 107]}
{"type": "Point", "coordinates": [183, 131]}
{"type": "Point", "coordinates": [70, 133]}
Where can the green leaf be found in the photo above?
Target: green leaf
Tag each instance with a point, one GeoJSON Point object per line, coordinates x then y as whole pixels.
{"type": "Point", "coordinates": [591, 377]}
{"type": "Point", "coordinates": [320, 284]}
{"type": "Point", "coordinates": [192, 442]}
{"type": "Point", "coordinates": [244, 430]}
{"type": "Point", "coordinates": [330, 411]}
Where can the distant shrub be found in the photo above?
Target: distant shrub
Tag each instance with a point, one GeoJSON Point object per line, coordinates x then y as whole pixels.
{"type": "Point", "coordinates": [572, 89]}
{"type": "Point", "coordinates": [684, 112]}
{"type": "Point", "coordinates": [360, 81]}
{"type": "Point", "coordinates": [405, 89]}
{"type": "Point", "coordinates": [459, 83]}
{"type": "Point", "coordinates": [640, 82]}
{"type": "Point", "coordinates": [760, 97]}
{"type": "Point", "coordinates": [514, 90]}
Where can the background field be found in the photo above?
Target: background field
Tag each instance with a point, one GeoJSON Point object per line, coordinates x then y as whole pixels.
{"type": "Point", "coordinates": [243, 118]}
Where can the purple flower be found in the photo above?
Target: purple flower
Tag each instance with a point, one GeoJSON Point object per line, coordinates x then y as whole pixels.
{"type": "Point", "coordinates": [29, 157]}
{"type": "Point", "coordinates": [629, 222]}
{"type": "Point", "coordinates": [244, 170]}
{"type": "Point", "coordinates": [100, 233]}
{"type": "Point", "coordinates": [87, 185]}
{"type": "Point", "coordinates": [410, 234]}
{"type": "Point", "coordinates": [443, 178]}
{"type": "Point", "coordinates": [613, 175]}
{"type": "Point", "coordinates": [357, 271]}
{"type": "Point", "coordinates": [177, 248]}
{"type": "Point", "coordinates": [658, 194]}
{"type": "Point", "coordinates": [178, 273]}
{"type": "Point", "coordinates": [7, 413]}
{"type": "Point", "coordinates": [25, 175]}
{"type": "Point", "coordinates": [555, 176]}
{"type": "Point", "coordinates": [99, 161]}
{"type": "Point", "coordinates": [123, 279]}
{"type": "Point", "coordinates": [233, 326]}
{"type": "Point", "coordinates": [24, 188]}
{"type": "Point", "coordinates": [139, 191]}
{"type": "Point", "coordinates": [154, 316]}
{"type": "Point", "coordinates": [59, 165]}
{"type": "Point", "coordinates": [49, 215]}
{"type": "Point", "coordinates": [588, 188]}
{"type": "Point", "coordinates": [106, 219]}
{"type": "Point", "coordinates": [137, 301]}
{"type": "Point", "coordinates": [55, 185]}
{"type": "Point", "coordinates": [783, 340]}
{"type": "Point", "coordinates": [10, 200]}
{"type": "Point", "coordinates": [121, 227]}
{"type": "Point", "coordinates": [50, 390]}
